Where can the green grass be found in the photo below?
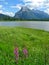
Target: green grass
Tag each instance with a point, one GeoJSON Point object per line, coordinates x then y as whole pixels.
{"type": "Point", "coordinates": [36, 42]}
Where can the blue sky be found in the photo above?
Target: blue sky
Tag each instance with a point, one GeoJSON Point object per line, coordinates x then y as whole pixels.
{"type": "Point", "coordinates": [10, 7]}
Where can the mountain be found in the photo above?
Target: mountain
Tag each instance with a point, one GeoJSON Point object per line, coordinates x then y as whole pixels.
{"type": "Point", "coordinates": [40, 14]}
{"type": "Point", "coordinates": [26, 13]}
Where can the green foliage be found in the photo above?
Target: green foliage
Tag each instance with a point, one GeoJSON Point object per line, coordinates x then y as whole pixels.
{"type": "Point", "coordinates": [7, 18]}
{"type": "Point", "coordinates": [36, 41]}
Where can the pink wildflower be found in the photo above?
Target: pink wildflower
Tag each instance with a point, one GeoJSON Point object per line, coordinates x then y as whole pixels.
{"type": "Point", "coordinates": [25, 52]}
{"type": "Point", "coordinates": [16, 53]}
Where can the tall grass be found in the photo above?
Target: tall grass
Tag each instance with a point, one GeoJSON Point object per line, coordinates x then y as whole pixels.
{"type": "Point", "coordinates": [36, 42]}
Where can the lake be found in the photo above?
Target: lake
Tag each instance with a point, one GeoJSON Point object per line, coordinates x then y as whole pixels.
{"type": "Point", "coordinates": [30, 24]}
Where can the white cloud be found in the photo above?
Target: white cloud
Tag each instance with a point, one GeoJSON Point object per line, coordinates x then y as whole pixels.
{"type": "Point", "coordinates": [16, 6]}
{"type": "Point", "coordinates": [7, 13]}
{"type": "Point", "coordinates": [1, 6]}
{"type": "Point", "coordinates": [38, 4]}
{"type": "Point", "coordinates": [47, 4]}
{"type": "Point", "coordinates": [34, 0]}
{"type": "Point", "coordinates": [0, 11]}
{"type": "Point", "coordinates": [26, 0]}
{"type": "Point", "coordinates": [35, 3]}
{"type": "Point", "coordinates": [47, 11]}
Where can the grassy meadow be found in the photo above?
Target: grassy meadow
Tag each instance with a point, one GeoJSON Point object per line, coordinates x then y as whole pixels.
{"type": "Point", "coordinates": [36, 42]}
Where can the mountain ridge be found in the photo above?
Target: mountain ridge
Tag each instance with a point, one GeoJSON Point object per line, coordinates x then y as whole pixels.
{"type": "Point", "coordinates": [26, 14]}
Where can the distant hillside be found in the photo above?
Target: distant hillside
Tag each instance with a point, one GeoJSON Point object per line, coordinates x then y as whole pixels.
{"type": "Point", "coordinates": [4, 17]}
{"type": "Point", "coordinates": [7, 18]}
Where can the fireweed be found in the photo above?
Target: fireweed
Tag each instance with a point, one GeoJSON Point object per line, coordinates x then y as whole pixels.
{"type": "Point", "coordinates": [16, 54]}
{"type": "Point", "coordinates": [25, 52]}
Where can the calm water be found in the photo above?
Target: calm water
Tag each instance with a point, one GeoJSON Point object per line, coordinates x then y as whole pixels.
{"type": "Point", "coordinates": [36, 25]}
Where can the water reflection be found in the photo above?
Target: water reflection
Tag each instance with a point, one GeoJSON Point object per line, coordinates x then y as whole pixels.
{"type": "Point", "coordinates": [36, 25]}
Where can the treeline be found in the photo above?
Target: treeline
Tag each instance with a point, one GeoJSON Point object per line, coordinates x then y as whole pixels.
{"type": "Point", "coordinates": [7, 19]}
{"type": "Point", "coordinates": [18, 19]}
